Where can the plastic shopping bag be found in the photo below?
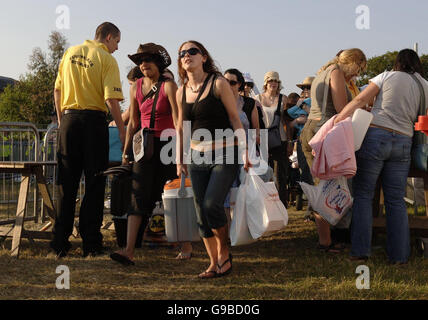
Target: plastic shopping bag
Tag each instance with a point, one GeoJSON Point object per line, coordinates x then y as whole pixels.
{"type": "Point", "coordinates": [265, 211]}
{"type": "Point", "coordinates": [330, 198]}
{"type": "Point", "coordinates": [239, 233]}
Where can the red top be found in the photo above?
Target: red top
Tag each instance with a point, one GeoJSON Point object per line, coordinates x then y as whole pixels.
{"type": "Point", "coordinates": [163, 113]}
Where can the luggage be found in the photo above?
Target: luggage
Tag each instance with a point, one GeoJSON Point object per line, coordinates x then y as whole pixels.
{"type": "Point", "coordinates": [115, 151]}
{"type": "Point", "coordinates": [180, 213]}
{"type": "Point", "coordinates": [121, 188]}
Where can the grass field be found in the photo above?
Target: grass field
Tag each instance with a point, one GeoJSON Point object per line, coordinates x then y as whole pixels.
{"type": "Point", "coordinates": [283, 266]}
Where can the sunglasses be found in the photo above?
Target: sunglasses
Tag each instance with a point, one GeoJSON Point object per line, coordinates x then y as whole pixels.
{"type": "Point", "coordinates": [249, 84]}
{"type": "Point", "coordinates": [191, 51]}
{"type": "Point", "coordinates": [233, 82]}
{"type": "Point", "coordinates": [147, 59]}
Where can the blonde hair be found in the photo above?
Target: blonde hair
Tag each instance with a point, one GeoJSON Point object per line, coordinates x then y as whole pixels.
{"type": "Point", "coordinates": [350, 61]}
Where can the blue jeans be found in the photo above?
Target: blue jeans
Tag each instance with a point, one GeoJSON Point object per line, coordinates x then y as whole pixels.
{"type": "Point", "coordinates": [385, 154]}
{"type": "Point", "coordinates": [211, 183]}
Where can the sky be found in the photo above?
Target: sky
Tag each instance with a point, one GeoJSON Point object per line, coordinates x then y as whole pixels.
{"type": "Point", "coordinates": [293, 37]}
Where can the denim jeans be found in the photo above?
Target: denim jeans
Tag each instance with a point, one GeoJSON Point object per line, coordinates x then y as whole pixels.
{"type": "Point", "coordinates": [385, 154]}
{"type": "Point", "coordinates": [211, 183]}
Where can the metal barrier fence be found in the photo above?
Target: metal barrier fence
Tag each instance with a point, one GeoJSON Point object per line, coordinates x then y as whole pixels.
{"type": "Point", "coordinates": [23, 142]}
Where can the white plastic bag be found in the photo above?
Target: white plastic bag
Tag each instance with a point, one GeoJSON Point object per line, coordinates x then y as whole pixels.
{"type": "Point", "coordinates": [330, 198]}
{"type": "Point", "coordinates": [239, 233]}
{"type": "Point", "coordinates": [265, 211]}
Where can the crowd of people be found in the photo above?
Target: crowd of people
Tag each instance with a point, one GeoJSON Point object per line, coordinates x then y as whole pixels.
{"type": "Point", "coordinates": [211, 100]}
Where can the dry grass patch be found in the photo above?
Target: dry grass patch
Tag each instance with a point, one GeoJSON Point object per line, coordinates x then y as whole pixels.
{"type": "Point", "coordinates": [282, 266]}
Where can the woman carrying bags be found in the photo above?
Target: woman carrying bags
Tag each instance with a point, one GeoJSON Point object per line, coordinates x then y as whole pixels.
{"type": "Point", "coordinates": [148, 175]}
{"type": "Point", "coordinates": [206, 99]}
{"type": "Point", "coordinates": [329, 95]}
{"type": "Point", "coordinates": [385, 153]}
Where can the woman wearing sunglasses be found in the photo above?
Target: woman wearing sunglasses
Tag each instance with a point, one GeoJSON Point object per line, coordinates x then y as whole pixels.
{"type": "Point", "coordinates": [244, 104]}
{"type": "Point", "coordinates": [206, 99]}
{"type": "Point", "coordinates": [148, 176]}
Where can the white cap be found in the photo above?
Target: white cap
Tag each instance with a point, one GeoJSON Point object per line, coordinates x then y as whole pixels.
{"type": "Point", "coordinates": [247, 77]}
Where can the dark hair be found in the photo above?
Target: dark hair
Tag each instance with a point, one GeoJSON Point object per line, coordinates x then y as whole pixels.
{"type": "Point", "coordinates": [293, 97]}
{"type": "Point", "coordinates": [170, 72]}
{"type": "Point", "coordinates": [408, 61]}
{"type": "Point", "coordinates": [159, 62]}
{"type": "Point", "coordinates": [239, 77]}
{"type": "Point", "coordinates": [106, 28]}
{"type": "Point", "coordinates": [208, 67]}
{"type": "Point", "coordinates": [134, 74]}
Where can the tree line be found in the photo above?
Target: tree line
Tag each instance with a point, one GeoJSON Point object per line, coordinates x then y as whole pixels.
{"type": "Point", "coordinates": [31, 98]}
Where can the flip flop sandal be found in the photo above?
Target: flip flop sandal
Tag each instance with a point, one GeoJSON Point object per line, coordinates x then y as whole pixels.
{"type": "Point", "coordinates": [221, 274]}
{"type": "Point", "coordinates": [184, 256]}
{"type": "Point", "coordinates": [332, 248]}
{"type": "Point", "coordinates": [122, 259]}
{"type": "Point", "coordinates": [208, 275]}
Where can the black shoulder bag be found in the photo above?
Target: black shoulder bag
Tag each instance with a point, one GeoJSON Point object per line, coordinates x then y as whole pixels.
{"type": "Point", "coordinates": [274, 135]}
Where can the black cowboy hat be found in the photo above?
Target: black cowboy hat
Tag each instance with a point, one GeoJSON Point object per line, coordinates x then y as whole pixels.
{"type": "Point", "coordinates": [151, 49]}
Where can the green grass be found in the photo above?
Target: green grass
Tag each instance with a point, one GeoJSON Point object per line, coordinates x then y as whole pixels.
{"type": "Point", "coordinates": [282, 266]}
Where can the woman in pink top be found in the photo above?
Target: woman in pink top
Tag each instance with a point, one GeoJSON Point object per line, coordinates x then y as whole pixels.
{"type": "Point", "coordinates": [149, 176]}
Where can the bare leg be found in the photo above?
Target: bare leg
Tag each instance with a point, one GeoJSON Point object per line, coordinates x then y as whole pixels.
{"type": "Point", "coordinates": [185, 250]}
{"type": "Point", "coordinates": [186, 247]}
{"type": "Point", "coordinates": [323, 230]}
{"type": "Point", "coordinates": [134, 223]}
{"type": "Point", "coordinates": [211, 246]}
{"type": "Point", "coordinates": [221, 235]}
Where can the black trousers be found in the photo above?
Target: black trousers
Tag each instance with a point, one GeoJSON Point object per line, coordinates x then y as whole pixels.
{"type": "Point", "coordinates": [83, 146]}
{"type": "Point", "coordinates": [279, 162]}
{"type": "Point", "coordinates": [148, 180]}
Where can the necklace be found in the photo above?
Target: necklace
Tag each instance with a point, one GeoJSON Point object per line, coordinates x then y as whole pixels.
{"type": "Point", "coordinates": [271, 98]}
{"type": "Point", "coordinates": [198, 88]}
{"type": "Point", "coordinates": [195, 90]}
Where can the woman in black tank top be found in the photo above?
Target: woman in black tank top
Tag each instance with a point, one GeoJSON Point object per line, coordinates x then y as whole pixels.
{"type": "Point", "coordinates": [206, 99]}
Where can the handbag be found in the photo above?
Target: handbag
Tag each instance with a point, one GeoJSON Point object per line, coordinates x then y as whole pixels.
{"type": "Point", "coordinates": [274, 135]}
{"type": "Point", "coordinates": [143, 140]}
{"type": "Point", "coordinates": [419, 152]}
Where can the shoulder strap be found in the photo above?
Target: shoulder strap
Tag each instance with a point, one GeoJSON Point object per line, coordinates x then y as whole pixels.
{"type": "Point", "coordinates": [156, 89]}
{"type": "Point", "coordinates": [422, 105]}
{"type": "Point", "coordinates": [203, 88]}
{"type": "Point", "coordinates": [278, 108]}
{"type": "Point", "coordinates": [147, 96]}
{"type": "Point", "coordinates": [204, 85]}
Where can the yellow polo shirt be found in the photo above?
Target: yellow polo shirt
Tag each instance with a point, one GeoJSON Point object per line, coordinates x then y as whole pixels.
{"type": "Point", "coordinates": [88, 75]}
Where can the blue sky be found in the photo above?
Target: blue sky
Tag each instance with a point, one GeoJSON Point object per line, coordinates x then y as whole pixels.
{"type": "Point", "coordinates": [292, 37]}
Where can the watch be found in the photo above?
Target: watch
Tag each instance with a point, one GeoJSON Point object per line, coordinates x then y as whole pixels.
{"type": "Point", "coordinates": [125, 156]}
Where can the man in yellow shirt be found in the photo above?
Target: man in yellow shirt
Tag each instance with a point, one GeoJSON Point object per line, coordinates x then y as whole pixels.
{"type": "Point", "coordinates": [87, 86]}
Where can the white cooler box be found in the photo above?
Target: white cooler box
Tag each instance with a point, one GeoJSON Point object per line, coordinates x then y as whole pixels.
{"type": "Point", "coordinates": [180, 213]}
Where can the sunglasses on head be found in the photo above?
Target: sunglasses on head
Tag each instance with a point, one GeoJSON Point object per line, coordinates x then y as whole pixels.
{"type": "Point", "coordinates": [249, 84]}
{"type": "Point", "coordinates": [191, 51]}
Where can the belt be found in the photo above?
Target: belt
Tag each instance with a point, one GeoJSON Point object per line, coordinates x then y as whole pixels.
{"type": "Point", "coordinates": [85, 112]}
{"type": "Point", "coordinates": [387, 129]}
